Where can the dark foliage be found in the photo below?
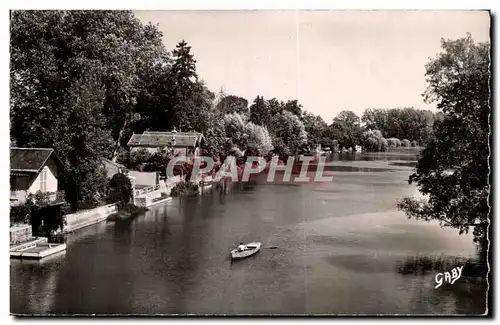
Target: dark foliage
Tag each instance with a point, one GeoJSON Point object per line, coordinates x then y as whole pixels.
{"type": "Point", "coordinates": [119, 189]}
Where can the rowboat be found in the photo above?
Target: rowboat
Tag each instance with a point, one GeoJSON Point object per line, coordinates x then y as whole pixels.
{"type": "Point", "coordinates": [252, 248]}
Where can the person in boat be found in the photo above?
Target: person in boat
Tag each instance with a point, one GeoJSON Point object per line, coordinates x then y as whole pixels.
{"type": "Point", "coordinates": [241, 247]}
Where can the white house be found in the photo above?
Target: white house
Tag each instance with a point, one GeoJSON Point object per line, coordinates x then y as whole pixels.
{"type": "Point", "coordinates": [33, 170]}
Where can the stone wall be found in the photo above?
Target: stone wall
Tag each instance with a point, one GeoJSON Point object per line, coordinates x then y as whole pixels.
{"type": "Point", "coordinates": [144, 179]}
{"type": "Point", "coordinates": [86, 218]}
{"type": "Point", "coordinates": [146, 200]}
{"type": "Point", "coordinates": [20, 234]}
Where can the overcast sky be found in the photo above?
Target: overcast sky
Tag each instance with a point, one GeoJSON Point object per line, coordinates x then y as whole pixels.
{"type": "Point", "coordinates": [328, 60]}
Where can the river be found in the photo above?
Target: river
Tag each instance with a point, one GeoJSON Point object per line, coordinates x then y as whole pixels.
{"type": "Point", "coordinates": [340, 247]}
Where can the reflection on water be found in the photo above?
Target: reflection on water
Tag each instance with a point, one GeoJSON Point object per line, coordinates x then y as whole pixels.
{"type": "Point", "coordinates": [472, 282]}
{"type": "Point", "coordinates": [342, 248]}
{"type": "Point", "coordinates": [402, 154]}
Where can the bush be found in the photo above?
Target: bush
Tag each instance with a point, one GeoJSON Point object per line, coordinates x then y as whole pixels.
{"type": "Point", "coordinates": [127, 211]}
{"type": "Point", "coordinates": [138, 158]}
{"type": "Point", "coordinates": [383, 144]}
{"type": "Point", "coordinates": [414, 143]}
{"type": "Point", "coordinates": [405, 143]}
{"type": "Point", "coordinates": [394, 143]}
{"type": "Point", "coordinates": [86, 185]}
{"type": "Point", "coordinates": [46, 220]}
{"type": "Point", "coordinates": [21, 213]}
{"type": "Point", "coordinates": [185, 189]}
{"type": "Point", "coordinates": [119, 189]}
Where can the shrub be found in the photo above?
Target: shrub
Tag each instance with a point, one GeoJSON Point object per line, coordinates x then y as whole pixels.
{"type": "Point", "coordinates": [414, 143]}
{"type": "Point", "coordinates": [119, 189]}
{"type": "Point", "coordinates": [21, 213]}
{"type": "Point", "coordinates": [46, 220]}
{"type": "Point", "coordinates": [138, 158]}
{"type": "Point", "coordinates": [405, 143]}
{"type": "Point", "coordinates": [383, 144]}
{"type": "Point", "coordinates": [185, 189]}
{"type": "Point", "coordinates": [394, 142]}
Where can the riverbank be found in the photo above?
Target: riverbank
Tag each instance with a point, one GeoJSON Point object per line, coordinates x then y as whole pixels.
{"type": "Point", "coordinates": [127, 211]}
{"type": "Point", "coordinates": [339, 248]}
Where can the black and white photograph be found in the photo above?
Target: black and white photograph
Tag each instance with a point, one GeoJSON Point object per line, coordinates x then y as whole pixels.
{"type": "Point", "coordinates": [250, 162]}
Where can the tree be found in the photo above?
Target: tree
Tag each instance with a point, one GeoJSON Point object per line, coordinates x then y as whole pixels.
{"type": "Point", "coordinates": [317, 130]}
{"type": "Point", "coordinates": [245, 136]}
{"type": "Point", "coordinates": [402, 123]}
{"type": "Point", "coordinates": [289, 134]}
{"type": "Point", "coordinates": [374, 141]}
{"type": "Point", "coordinates": [346, 129]}
{"type": "Point", "coordinates": [75, 80]}
{"type": "Point", "coordinates": [233, 104]}
{"type": "Point", "coordinates": [52, 49]}
{"type": "Point", "coordinates": [259, 112]}
{"type": "Point", "coordinates": [119, 189]}
{"type": "Point", "coordinates": [259, 141]}
{"type": "Point", "coordinates": [216, 141]}
{"type": "Point", "coordinates": [136, 159]}
{"type": "Point", "coordinates": [293, 107]}
{"type": "Point", "coordinates": [76, 129]}
{"type": "Point", "coordinates": [375, 119]}
{"type": "Point", "coordinates": [453, 169]}
{"type": "Point", "coordinates": [187, 95]}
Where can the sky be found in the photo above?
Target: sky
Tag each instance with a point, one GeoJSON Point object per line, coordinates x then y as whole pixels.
{"type": "Point", "coordinates": [328, 60]}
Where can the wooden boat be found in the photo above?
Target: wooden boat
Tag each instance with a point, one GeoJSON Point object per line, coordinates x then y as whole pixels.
{"type": "Point", "coordinates": [252, 248]}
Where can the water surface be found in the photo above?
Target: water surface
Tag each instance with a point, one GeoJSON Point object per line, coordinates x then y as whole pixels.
{"type": "Point", "coordinates": [339, 248]}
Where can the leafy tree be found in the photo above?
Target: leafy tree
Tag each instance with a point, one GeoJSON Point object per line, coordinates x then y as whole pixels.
{"type": "Point", "coordinates": [136, 159]}
{"type": "Point", "coordinates": [317, 130]}
{"type": "Point", "coordinates": [119, 189]}
{"type": "Point", "coordinates": [259, 112]}
{"type": "Point", "coordinates": [233, 104]}
{"type": "Point", "coordinates": [289, 134]}
{"type": "Point", "coordinates": [235, 127]}
{"type": "Point", "coordinates": [375, 119]}
{"type": "Point", "coordinates": [52, 49]}
{"type": "Point", "coordinates": [75, 78]}
{"type": "Point", "coordinates": [374, 141]}
{"type": "Point", "coordinates": [216, 141]}
{"type": "Point", "coordinates": [402, 123]}
{"type": "Point", "coordinates": [453, 169]}
{"type": "Point", "coordinates": [293, 107]}
{"type": "Point", "coordinates": [346, 129]}
{"type": "Point", "coordinates": [259, 141]}
{"type": "Point", "coordinates": [274, 107]}
{"type": "Point", "coordinates": [245, 136]}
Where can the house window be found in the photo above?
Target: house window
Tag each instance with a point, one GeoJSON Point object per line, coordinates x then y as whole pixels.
{"type": "Point", "coordinates": [43, 180]}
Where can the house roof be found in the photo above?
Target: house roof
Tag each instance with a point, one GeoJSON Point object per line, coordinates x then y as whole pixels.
{"type": "Point", "coordinates": [164, 139]}
{"type": "Point", "coordinates": [31, 160]}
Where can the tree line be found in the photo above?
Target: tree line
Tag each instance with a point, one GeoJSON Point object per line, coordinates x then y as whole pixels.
{"type": "Point", "coordinates": [82, 82]}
